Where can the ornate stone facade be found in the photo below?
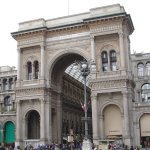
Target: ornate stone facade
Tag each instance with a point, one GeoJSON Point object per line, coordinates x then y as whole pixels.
{"type": "Point", "coordinates": [47, 47]}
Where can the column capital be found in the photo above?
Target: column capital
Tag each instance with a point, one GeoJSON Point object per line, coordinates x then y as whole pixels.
{"type": "Point", "coordinates": [93, 96]}
{"type": "Point", "coordinates": [124, 93]}
{"type": "Point", "coordinates": [42, 46]}
{"type": "Point", "coordinates": [19, 50]}
{"type": "Point", "coordinates": [120, 34]}
{"type": "Point", "coordinates": [42, 100]}
{"type": "Point", "coordinates": [18, 102]}
{"type": "Point", "coordinates": [92, 37]}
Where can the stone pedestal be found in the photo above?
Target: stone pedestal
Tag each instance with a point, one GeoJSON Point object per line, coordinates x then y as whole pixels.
{"type": "Point", "coordinates": [86, 145]}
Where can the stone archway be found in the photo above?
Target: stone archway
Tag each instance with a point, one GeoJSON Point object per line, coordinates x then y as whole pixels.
{"type": "Point", "coordinates": [61, 109]}
{"type": "Point", "coordinates": [9, 132]}
{"type": "Point", "coordinates": [112, 122]}
{"type": "Point", "coordinates": [145, 130]}
{"type": "Point", "coordinates": [33, 125]}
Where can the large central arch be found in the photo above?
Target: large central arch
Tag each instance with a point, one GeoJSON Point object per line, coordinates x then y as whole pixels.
{"type": "Point", "coordinates": [66, 116]}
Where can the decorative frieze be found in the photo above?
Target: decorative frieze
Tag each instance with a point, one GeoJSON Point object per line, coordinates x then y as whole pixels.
{"type": "Point", "coordinates": [108, 84]}
{"type": "Point", "coordinates": [105, 28]}
{"type": "Point", "coordinates": [31, 40]}
{"type": "Point", "coordinates": [68, 36]}
{"type": "Point", "coordinates": [29, 92]}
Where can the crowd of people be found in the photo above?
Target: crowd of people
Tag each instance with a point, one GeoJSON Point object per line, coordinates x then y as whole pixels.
{"type": "Point", "coordinates": [67, 146]}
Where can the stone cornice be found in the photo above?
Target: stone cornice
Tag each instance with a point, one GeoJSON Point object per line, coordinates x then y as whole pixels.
{"type": "Point", "coordinates": [82, 23]}
{"type": "Point", "coordinates": [28, 32]}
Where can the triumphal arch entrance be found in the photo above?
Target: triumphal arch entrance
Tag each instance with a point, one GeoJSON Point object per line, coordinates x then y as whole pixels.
{"type": "Point", "coordinates": [48, 100]}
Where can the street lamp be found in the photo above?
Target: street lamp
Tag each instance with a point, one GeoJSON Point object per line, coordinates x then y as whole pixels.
{"type": "Point", "coordinates": [85, 68]}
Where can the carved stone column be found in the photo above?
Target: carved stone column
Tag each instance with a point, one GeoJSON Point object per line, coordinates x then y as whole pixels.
{"type": "Point", "coordinates": [95, 118]}
{"type": "Point", "coordinates": [42, 62]}
{"type": "Point", "coordinates": [42, 122]}
{"type": "Point", "coordinates": [122, 53]}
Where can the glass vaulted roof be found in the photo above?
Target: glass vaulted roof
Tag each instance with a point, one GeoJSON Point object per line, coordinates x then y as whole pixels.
{"type": "Point", "coordinates": [76, 74]}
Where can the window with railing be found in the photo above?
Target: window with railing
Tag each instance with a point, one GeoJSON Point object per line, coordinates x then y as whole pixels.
{"type": "Point", "coordinates": [109, 60]}
{"type": "Point", "coordinates": [104, 57]}
{"type": "Point", "coordinates": [113, 61]}
{"type": "Point", "coordinates": [148, 69]}
{"type": "Point", "coordinates": [7, 103]}
{"type": "Point", "coordinates": [36, 69]}
{"type": "Point", "coordinates": [4, 84]}
{"type": "Point", "coordinates": [10, 84]}
{"type": "Point", "coordinates": [29, 70]}
{"type": "Point", "coordinates": [145, 91]}
{"type": "Point", "coordinates": [140, 70]}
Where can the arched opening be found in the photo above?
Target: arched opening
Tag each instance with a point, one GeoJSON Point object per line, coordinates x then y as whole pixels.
{"type": "Point", "coordinates": [145, 130]}
{"type": "Point", "coordinates": [33, 125]}
{"type": "Point", "coordinates": [112, 122]}
{"type": "Point", "coordinates": [68, 87]}
{"type": "Point", "coordinates": [9, 133]}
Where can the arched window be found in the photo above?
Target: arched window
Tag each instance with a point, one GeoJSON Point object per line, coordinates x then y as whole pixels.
{"type": "Point", "coordinates": [113, 60]}
{"type": "Point", "coordinates": [104, 57]}
{"type": "Point", "coordinates": [146, 92]}
{"type": "Point", "coordinates": [36, 69]}
{"type": "Point", "coordinates": [7, 103]}
{"type": "Point", "coordinates": [33, 125]}
{"type": "Point", "coordinates": [140, 68]}
{"type": "Point", "coordinates": [29, 70]}
{"type": "Point", "coordinates": [148, 69]}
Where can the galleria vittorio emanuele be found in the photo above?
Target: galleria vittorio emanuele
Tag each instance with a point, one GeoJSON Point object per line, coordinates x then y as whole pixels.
{"type": "Point", "coordinates": [40, 101]}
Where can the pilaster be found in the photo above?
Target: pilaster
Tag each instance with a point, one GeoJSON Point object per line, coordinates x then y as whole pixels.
{"type": "Point", "coordinates": [18, 121]}
{"type": "Point", "coordinates": [59, 118]}
{"type": "Point", "coordinates": [95, 118]}
{"type": "Point", "coordinates": [126, 131]}
{"type": "Point", "coordinates": [93, 49]}
{"type": "Point", "coordinates": [42, 62]}
{"type": "Point", "coordinates": [122, 53]}
{"type": "Point", "coordinates": [19, 64]}
{"type": "Point", "coordinates": [42, 122]}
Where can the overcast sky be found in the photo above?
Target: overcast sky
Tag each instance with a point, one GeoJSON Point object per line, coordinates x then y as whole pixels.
{"type": "Point", "coordinates": [13, 12]}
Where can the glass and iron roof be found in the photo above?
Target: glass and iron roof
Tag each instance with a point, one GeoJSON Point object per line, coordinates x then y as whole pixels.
{"type": "Point", "coordinates": [76, 74]}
